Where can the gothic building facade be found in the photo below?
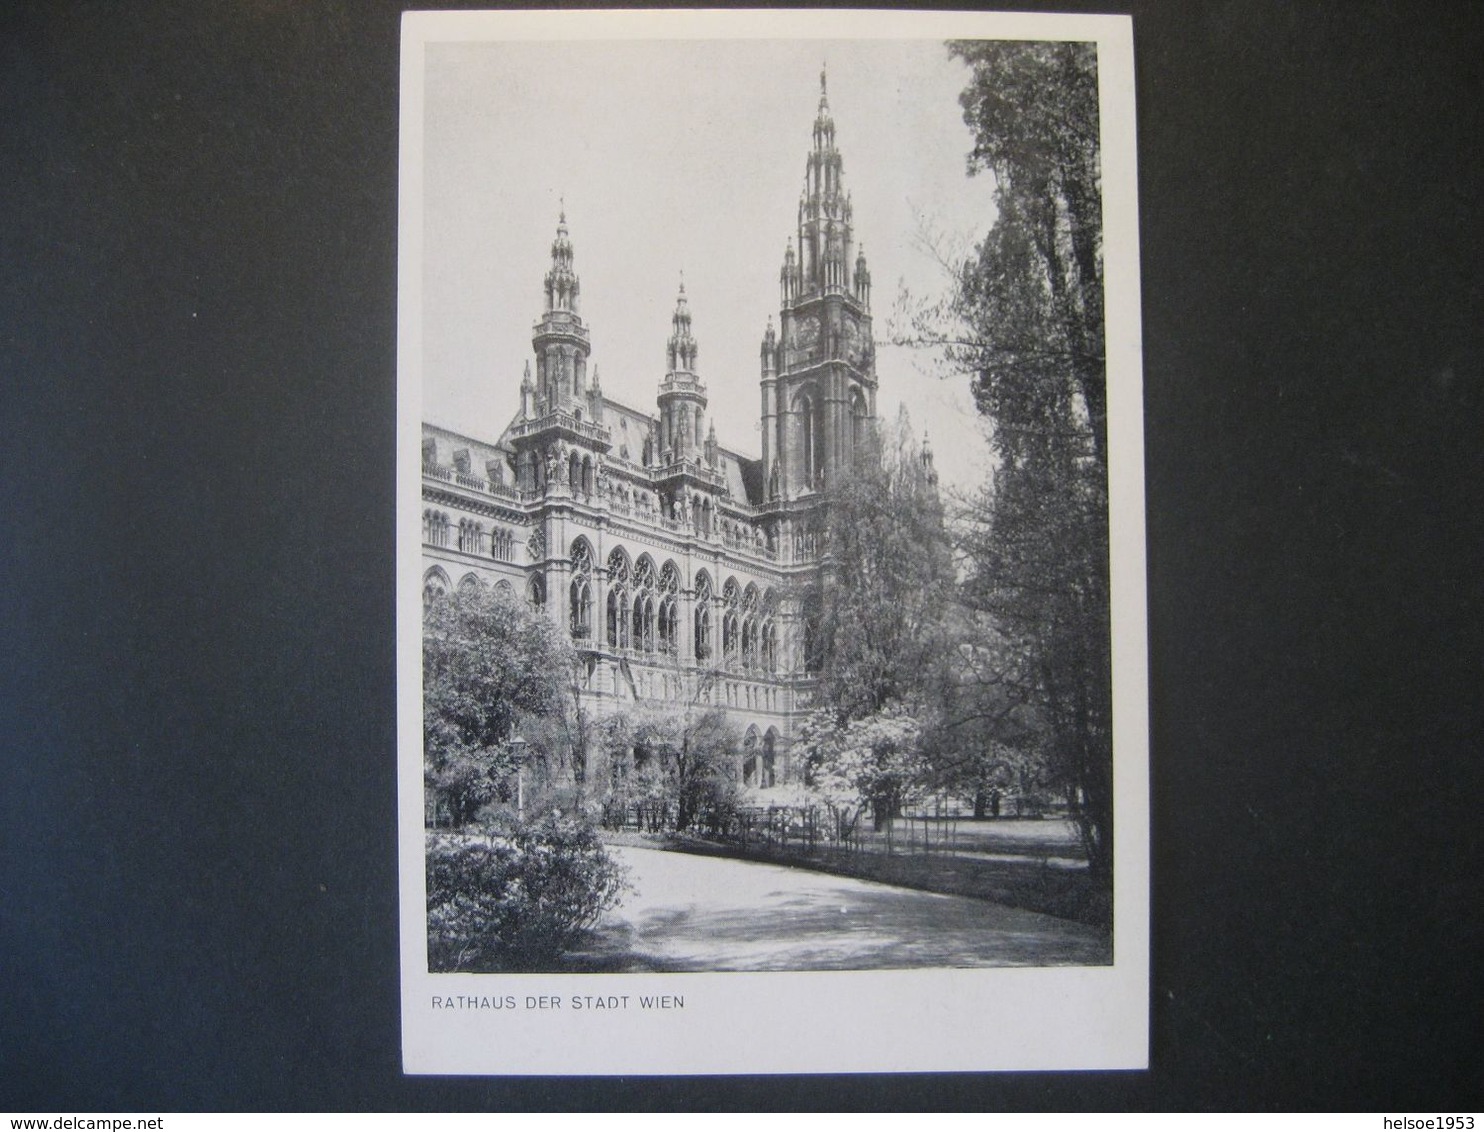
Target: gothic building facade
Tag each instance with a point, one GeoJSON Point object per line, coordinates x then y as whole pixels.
{"type": "Point", "coordinates": [675, 561]}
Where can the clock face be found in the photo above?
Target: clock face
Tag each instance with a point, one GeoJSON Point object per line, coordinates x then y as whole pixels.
{"type": "Point", "coordinates": [808, 332]}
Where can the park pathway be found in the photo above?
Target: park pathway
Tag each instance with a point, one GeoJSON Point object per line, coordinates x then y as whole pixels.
{"type": "Point", "coordinates": [695, 913]}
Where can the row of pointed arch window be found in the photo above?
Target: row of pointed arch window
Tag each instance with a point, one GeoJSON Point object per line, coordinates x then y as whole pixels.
{"type": "Point", "coordinates": [469, 536]}
{"type": "Point", "coordinates": [643, 612]}
{"type": "Point", "coordinates": [436, 584]}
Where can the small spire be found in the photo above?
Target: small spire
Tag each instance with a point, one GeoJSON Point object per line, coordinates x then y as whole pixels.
{"type": "Point", "coordinates": [682, 348]}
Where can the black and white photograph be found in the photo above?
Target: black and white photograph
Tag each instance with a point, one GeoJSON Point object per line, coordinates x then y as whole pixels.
{"type": "Point", "coordinates": [766, 618]}
{"type": "Point", "coordinates": [692, 561]}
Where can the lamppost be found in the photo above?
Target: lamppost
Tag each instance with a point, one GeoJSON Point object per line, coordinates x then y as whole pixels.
{"type": "Point", "coordinates": [518, 756]}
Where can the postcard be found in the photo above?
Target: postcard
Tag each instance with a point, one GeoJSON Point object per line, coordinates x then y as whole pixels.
{"type": "Point", "coordinates": [770, 562]}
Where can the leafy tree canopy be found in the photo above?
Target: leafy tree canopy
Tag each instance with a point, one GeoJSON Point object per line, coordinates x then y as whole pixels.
{"type": "Point", "coordinates": [487, 662]}
{"type": "Point", "coordinates": [887, 580]}
{"type": "Point", "coordinates": [1032, 301]}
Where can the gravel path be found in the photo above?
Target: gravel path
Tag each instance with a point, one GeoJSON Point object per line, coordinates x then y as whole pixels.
{"type": "Point", "coordinates": [694, 913]}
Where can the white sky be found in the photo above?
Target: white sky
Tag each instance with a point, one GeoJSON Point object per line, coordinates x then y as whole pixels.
{"type": "Point", "coordinates": [682, 155]}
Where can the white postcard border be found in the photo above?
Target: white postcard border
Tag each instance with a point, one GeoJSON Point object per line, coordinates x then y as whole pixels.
{"type": "Point", "coordinates": [798, 1022]}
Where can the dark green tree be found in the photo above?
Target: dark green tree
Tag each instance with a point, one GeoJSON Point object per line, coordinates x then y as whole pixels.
{"type": "Point", "coordinates": [692, 755]}
{"type": "Point", "coordinates": [487, 662]}
{"type": "Point", "coordinates": [1032, 302]}
{"type": "Point", "coordinates": [984, 731]}
{"type": "Point", "coordinates": [887, 578]}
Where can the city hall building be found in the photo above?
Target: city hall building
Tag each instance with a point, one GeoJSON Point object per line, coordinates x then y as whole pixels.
{"type": "Point", "coordinates": [676, 562]}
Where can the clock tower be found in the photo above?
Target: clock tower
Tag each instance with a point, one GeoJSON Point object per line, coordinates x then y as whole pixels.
{"type": "Point", "coordinates": [819, 369]}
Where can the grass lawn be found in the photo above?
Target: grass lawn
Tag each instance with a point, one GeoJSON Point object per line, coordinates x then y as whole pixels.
{"type": "Point", "coordinates": [1034, 865]}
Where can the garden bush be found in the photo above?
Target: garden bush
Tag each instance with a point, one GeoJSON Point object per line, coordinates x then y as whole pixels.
{"type": "Point", "coordinates": [516, 902]}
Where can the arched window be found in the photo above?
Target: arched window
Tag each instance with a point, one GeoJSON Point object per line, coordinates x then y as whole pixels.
{"type": "Point", "coordinates": [644, 603]}
{"type": "Point", "coordinates": [469, 583]}
{"type": "Point", "coordinates": [581, 591]}
{"type": "Point", "coordinates": [669, 612]}
{"type": "Point", "coordinates": [574, 473]}
{"type": "Point", "coordinates": [749, 646]}
{"type": "Point", "coordinates": [810, 411]}
{"type": "Point", "coordinates": [435, 528]}
{"type": "Point", "coordinates": [703, 616]}
{"type": "Point", "coordinates": [859, 421]}
{"type": "Point", "coordinates": [435, 585]}
{"type": "Point", "coordinates": [731, 599]}
{"type": "Point", "coordinates": [805, 409]}
{"type": "Point", "coordinates": [504, 589]}
{"type": "Point", "coordinates": [619, 598]}
{"type": "Point", "coordinates": [470, 536]}
{"type": "Point", "coordinates": [767, 633]}
{"type": "Point", "coordinates": [770, 758]}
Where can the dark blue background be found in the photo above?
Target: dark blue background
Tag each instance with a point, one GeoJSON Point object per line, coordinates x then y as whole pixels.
{"type": "Point", "coordinates": [197, 368]}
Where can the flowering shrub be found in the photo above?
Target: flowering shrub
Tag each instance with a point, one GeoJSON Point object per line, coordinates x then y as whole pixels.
{"type": "Point", "coordinates": [516, 903]}
{"type": "Point", "coordinates": [874, 763]}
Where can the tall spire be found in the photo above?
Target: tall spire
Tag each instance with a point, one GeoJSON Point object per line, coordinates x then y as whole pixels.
{"type": "Point", "coordinates": [818, 376]}
{"type": "Point", "coordinates": [824, 209]}
{"type": "Point", "coordinates": [562, 286]}
{"type": "Point", "coordinates": [682, 348]}
{"type": "Point", "coordinates": [927, 460]}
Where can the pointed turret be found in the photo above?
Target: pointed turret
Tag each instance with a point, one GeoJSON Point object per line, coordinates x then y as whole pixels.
{"type": "Point", "coordinates": [682, 349]}
{"type": "Point", "coordinates": [927, 460]}
{"type": "Point", "coordinates": [682, 399]}
{"type": "Point", "coordinates": [562, 286]}
{"type": "Point", "coordinates": [560, 339]}
{"type": "Point", "coordinates": [824, 221]}
{"type": "Point", "coordinates": [824, 125]}
{"type": "Point", "coordinates": [862, 279]}
{"type": "Point", "coordinates": [770, 349]}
